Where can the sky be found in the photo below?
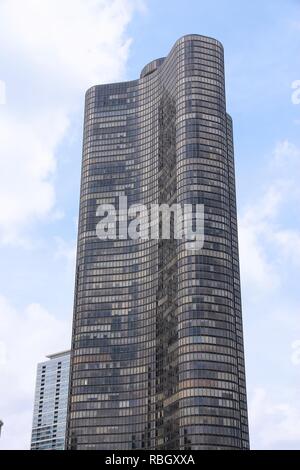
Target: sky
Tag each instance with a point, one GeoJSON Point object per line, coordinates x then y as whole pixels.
{"type": "Point", "coordinates": [50, 53]}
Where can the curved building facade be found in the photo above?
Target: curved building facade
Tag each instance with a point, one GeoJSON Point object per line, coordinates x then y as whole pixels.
{"type": "Point", "coordinates": [157, 343]}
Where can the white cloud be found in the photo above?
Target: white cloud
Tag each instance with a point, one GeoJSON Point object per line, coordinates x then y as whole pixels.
{"type": "Point", "coordinates": [83, 41]}
{"type": "Point", "coordinates": [257, 272]}
{"type": "Point", "coordinates": [66, 251]}
{"type": "Point", "coordinates": [285, 156]}
{"type": "Point", "coordinates": [264, 243]}
{"type": "Point", "coordinates": [288, 242]}
{"type": "Point", "coordinates": [26, 337]}
{"type": "Point", "coordinates": [296, 93]}
{"type": "Point", "coordinates": [270, 249]}
{"type": "Point", "coordinates": [274, 423]}
{"type": "Point", "coordinates": [57, 48]}
{"type": "Point", "coordinates": [27, 162]}
{"type": "Point", "coordinates": [295, 357]}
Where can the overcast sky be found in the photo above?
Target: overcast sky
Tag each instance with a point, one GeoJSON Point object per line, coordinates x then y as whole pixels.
{"type": "Point", "coordinates": [51, 51]}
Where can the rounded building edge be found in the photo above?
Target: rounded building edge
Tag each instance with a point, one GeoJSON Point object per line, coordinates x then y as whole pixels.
{"type": "Point", "coordinates": [154, 64]}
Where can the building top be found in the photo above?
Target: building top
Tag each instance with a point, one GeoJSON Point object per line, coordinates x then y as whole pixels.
{"type": "Point", "coordinates": [59, 354]}
{"type": "Point", "coordinates": [155, 64]}
{"type": "Point", "coordinates": [151, 67]}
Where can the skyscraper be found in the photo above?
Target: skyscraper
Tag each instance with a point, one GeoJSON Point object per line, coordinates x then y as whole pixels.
{"type": "Point", "coordinates": [157, 346]}
{"type": "Point", "coordinates": [50, 403]}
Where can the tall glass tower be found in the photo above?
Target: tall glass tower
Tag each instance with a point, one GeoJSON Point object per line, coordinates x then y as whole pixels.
{"type": "Point", "coordinates": [51, 403]}
{"type": "Point", "coordinates": [157, 356]}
